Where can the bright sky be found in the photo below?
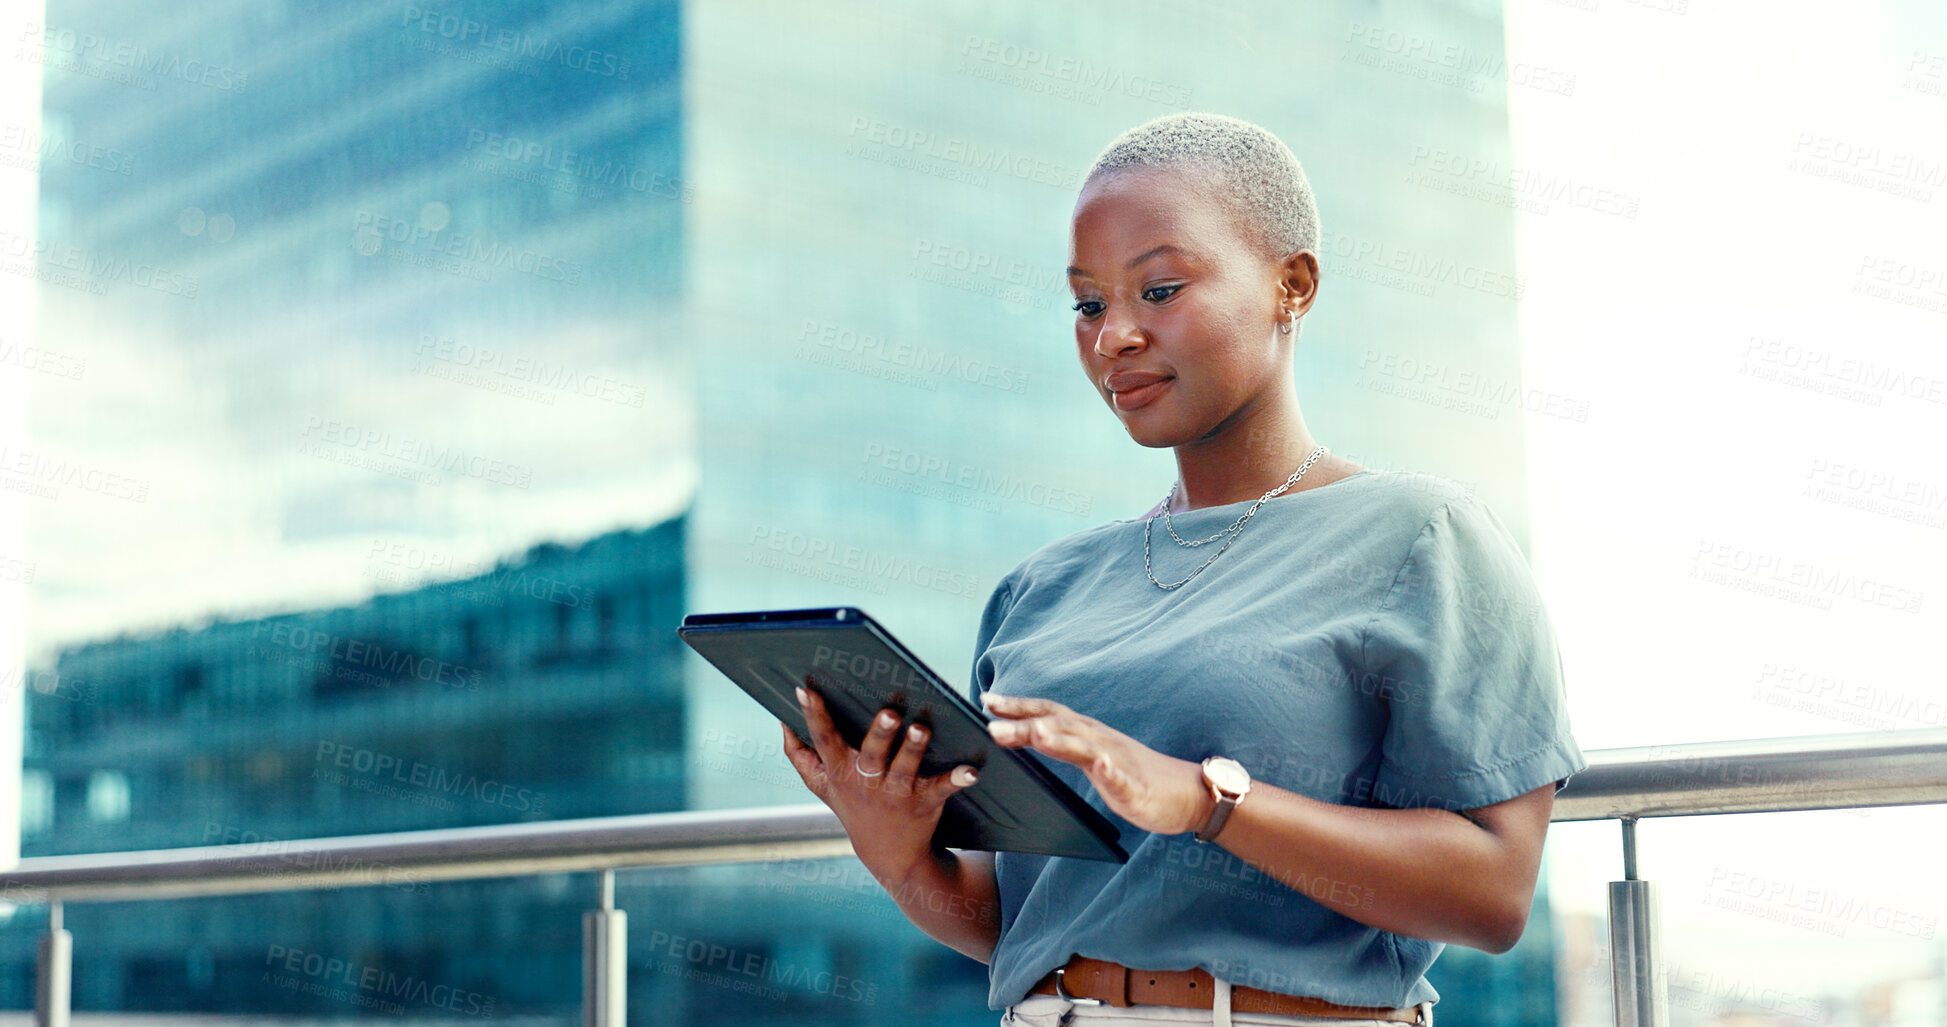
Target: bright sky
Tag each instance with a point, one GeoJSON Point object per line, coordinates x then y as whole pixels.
{"type": "Point", "coordinates": [1789, 166]}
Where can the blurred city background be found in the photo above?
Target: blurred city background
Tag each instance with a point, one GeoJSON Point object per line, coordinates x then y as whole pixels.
{"type": "Point", "coordinates": [381, 383]}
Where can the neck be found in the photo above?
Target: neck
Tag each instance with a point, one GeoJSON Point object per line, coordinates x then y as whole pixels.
{"type": "Point", "coordinates": [1245, 461]}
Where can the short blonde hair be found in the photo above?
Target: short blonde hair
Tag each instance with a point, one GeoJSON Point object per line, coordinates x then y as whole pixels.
{"type": "Point", "coordinates": [1251, 171]}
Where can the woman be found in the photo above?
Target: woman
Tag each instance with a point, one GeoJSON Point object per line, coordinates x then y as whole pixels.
{"type": "Point", "coordinates": [1330, 749]}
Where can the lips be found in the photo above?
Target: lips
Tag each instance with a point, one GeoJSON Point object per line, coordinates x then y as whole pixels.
{"type": "Point", "coordinates": [1131, 389]}
{"type": "Point", "coordinates": [1123, 381]}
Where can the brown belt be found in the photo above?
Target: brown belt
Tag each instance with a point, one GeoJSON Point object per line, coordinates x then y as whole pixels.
{"type": "Point", "coordinates": [1118, 985]}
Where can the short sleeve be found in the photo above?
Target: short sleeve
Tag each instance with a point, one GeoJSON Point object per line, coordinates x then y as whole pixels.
{"type": "Point", "coordinates": [1466, 660]}
{"type": "Point", "coordinates": [999, 602]}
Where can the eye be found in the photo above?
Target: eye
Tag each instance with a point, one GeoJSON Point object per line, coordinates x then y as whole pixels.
{"type": "Point", "coordinates": [1094, 307]}
{"type": "Point", "coordinates": [1166, 290]}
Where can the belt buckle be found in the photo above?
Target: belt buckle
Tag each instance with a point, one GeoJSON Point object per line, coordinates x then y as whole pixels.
{"type": "Point", "coordinates": [1077, 999]}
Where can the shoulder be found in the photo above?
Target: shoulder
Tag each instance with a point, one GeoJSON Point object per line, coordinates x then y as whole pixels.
{"type": "Point", "coordinates": [1461, 555]}
{"type": "Point", "coordinates": [1067, 553]}
{"type": "Point", "coordinates": [1409, 501]}
{"type": "Point", "coordinates": [1383, 511]}
{"type": "Point", "coordinates": [1409, 528]}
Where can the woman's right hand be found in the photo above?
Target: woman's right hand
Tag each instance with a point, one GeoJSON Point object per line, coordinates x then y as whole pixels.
{"type": "Point", "coordinates": [890, 815]}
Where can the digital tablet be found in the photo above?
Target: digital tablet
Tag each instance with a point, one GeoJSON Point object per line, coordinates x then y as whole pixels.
{"type": "Point", "coordinates": [1017, 805]}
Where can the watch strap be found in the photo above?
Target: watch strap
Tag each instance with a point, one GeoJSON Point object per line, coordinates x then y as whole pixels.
{"type": "Point", "coordinates": [1218, 816]}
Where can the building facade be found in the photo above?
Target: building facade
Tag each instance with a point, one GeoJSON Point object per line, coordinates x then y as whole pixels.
{"type": "Point", "coordinates": [547, 686]}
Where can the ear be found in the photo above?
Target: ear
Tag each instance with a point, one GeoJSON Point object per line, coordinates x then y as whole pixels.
{"type": "Point", "coordinates": [1298, 283]}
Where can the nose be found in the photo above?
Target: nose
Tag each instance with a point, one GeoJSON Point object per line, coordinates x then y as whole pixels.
{"type": "Point", "coordinates": [1119, 334]}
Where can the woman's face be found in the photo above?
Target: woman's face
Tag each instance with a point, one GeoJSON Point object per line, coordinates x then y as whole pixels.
{"type": "Point", "coordinates": [1169, 292]}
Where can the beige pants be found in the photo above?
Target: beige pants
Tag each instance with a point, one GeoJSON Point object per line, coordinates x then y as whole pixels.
{"type": "Point", "coordinates": [1055, 1011]}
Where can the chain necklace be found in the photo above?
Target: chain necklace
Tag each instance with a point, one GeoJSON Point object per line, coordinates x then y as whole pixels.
{"type": "Point", "coordinates": [1232, 531]}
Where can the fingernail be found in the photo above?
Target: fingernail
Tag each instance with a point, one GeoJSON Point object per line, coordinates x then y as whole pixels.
{"type": "Point", "coordinates": [914, 733]}
{"type": "Point", "coordinates": [887, 720]}
{"type": "Point", "coordinates": [803, 699]}
{"type": "Point", "coordinates": [964, 776]}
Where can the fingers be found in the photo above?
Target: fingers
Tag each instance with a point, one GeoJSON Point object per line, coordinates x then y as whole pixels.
{"type": "Point", "coordinates": [1022, 706]}
{"type": "Point", "coordinates": [940, 786]}
{"type": "Point", "coordinates": [1064, 735]}
{"type": "Point", "coordinates": [899, 776]}
{"type": "Point", "coordinates": [877, 742]}
{"type": "Point", "coordinates": [824, 736]}
{"type": "Point", "coordinates": [803, 759]}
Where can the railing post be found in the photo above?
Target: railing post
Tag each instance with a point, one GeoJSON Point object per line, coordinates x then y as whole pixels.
{"type": "Point", "coordinates": [1635, 955]}
{"type": "Point", "coordinates": [51, 983]}
{"type": "Point", "coordinates": [605, 961]}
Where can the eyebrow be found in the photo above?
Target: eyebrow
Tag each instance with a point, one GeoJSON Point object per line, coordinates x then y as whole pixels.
{"type": "Point", "coordinates": [1157, 251]}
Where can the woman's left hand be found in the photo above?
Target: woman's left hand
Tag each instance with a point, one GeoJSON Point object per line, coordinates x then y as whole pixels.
{"type": "Point", "coordinates": [1155, 792]}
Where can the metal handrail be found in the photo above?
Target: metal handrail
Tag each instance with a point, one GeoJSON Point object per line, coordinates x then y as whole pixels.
{"type": "Point", "coordinates": [1760, 775]}
{"type": "Point", "coordinates": [693, 838]}
{"type": "Point", "coordinates": [1807, 772]}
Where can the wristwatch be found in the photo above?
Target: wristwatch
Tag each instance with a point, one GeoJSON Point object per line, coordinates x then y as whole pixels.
{"type": "Point", "coordinates": [1229, 782]}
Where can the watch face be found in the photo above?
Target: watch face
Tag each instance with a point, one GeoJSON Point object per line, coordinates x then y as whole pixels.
{"type": "Point", "coordinates": [1227, 774]}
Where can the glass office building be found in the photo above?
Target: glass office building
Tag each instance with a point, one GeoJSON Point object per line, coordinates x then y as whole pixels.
{"type": "Point", "coordinates": [694, 307]}
{"type": "Point", "coordinates": [542, 687]}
